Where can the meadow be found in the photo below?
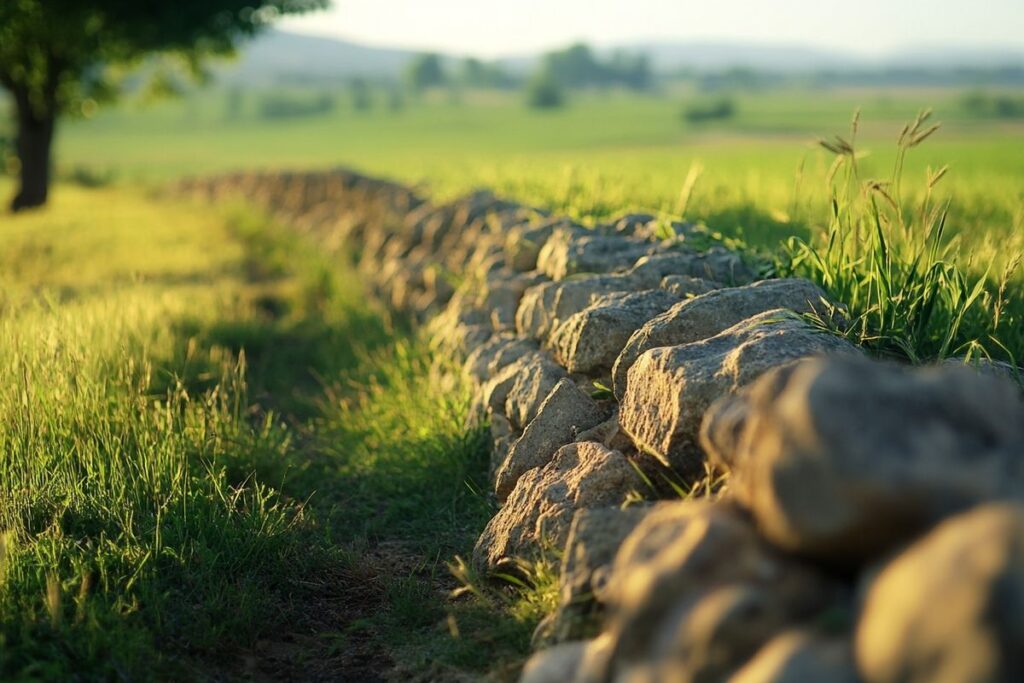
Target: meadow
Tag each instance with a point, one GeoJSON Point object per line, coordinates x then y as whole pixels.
{"type": "Point", "coordinates": [227, 463]}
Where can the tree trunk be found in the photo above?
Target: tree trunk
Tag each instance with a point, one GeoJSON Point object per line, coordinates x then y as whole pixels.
{"type": "Point", "coordinates": [35, 138]}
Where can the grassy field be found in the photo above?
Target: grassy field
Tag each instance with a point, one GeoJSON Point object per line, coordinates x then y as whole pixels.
{"type": "Point", "coordinates": [220, 462]}
{"type": "Point", "coordinates": [225, 463]}
{"type": "Point", "coordinates": [761, 177]}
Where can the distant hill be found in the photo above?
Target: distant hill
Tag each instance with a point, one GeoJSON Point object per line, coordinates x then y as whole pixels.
{"type": "Point", "coordinates": [281, 57]}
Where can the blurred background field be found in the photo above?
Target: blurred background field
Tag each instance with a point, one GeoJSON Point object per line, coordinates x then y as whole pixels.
{"type": "Point", "coordinates": [601, 151]}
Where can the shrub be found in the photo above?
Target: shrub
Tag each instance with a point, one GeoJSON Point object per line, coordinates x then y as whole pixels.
{"type": "Point", "coordinates": [544, 92]}
{"type": "Point", "coordinates": [717, 110]}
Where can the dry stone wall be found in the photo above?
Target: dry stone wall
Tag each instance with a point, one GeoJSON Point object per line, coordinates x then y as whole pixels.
{"type": "Point", "coordinates": [870, 526]}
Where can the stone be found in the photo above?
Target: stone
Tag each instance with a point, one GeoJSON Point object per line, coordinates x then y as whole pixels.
{"type": "Point", "coordinates": [590, 341]}
{"type": "Point", "coordinates": [544, 306]}
{"type": "Point", "coordinates": [709, 314]}
{"type": "Point", "coordinates": [487, 359]}
{"type": "Point", "coordinates": [800, 656]}
{"type": "Point", "coordinates": [594, 539]}
{"type": "Point", "coordinates": [540, 508]}
{"type": "Point", "coordinates": [564, 412]}
{"type": "Point", "coordinates": [523, 245]}
{"type": "Point", "coordinates": [687, 287]}
{"type": "Point", "coordinates": [536, 376]}
{"type": "Point", "coordinates": [572, 662]}
{"type": "Point", "coordinates": [694, 592]}
{"type": "Point", "coordinates": [715, 264]}
{"type": "Point", "coordinates": [949, 608]}
{"type": "Point", "coordinates": [609, 433]}
{"type": "Point", "coordinates": [670, 388]}
{"type": "Point", "coordinates": [842, 458]}
{"type": "Point", "coordinates": [568, 252]}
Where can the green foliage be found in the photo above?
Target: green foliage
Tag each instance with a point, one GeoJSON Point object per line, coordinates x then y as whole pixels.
{"type": "Point", "coordinates": [286, 106]}
{"type": "Point", "coordinates": [476, 73]}
{"type": "Point", "coordinates": [544, 92]}
{"type": "Point", "coordinates": [986, 105]}
{"type": "Point", "coordinates": [61, 52]}
{"type": "Point", "coordinates": [578, 67]}
{"type": "Point", "coordinates": [425, 72]}
{"type": "Point", "coordinates": [720, 109]}
{"type": "Point", "coordinates": [892, 265]}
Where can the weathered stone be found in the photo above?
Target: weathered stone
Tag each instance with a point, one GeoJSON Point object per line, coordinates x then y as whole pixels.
{"type": "Point", "coordinates": [594, 539]}
{"type": "Point", "coordinates": [568, 252]}
{"type": "Point", "coordinates": [541, 506]}
{"type": "Point", "coordinates": [631, 224]}
{"type": "Point", "coordinates": [949, 609]}
{"type": "Point", "coordinates": [694, 592]}
{"type": "Point", "coordinates": [544, 306]}
{"type": "Point", "coordinates": [573, 662]}
{"type": "Point", "coordinates": [705, 316]}
{"type": "Point", "coordinates": [536, 376]}
{"type": "Point", "coordinates": [523, 245]}
{"type": "Point", "coordinates": [494, 393]}
{"type": "Point", "coordinates": [564, 412]}
{"type": "Point", "coordinates": [715, 264]}
{"type": "Point", "coordinates": [669, 388]}
{"type": "Point", "coordinates": [687, 287]}
{"type": "Point", "coordinates": [800, 657]}
{"type": "Point", "coordinates": [487, 359]}
{"type": "Point", "coordinates": [844, 458]}
{"type": "Point", "coordinates": [609, 433]}
{"type": "Point", "coordinates": [590, 341]}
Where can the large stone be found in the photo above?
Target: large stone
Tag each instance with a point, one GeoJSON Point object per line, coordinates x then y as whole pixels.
{"type": "Point", "coordinates": [715, 264]}
{"type": "Point", "coordinates": [694, 593]}
{"type": "Point", "coordinates": [800, 657]}
{"type": "Point", "coordinates": [536, 376]}
{"type": "Point", "coordinates": [844, 458]}
{"type": "Point", "coordinates": [669, 388]}
{"type": "Point", "coordinates": [590, 341]}
{"type": "Point", "coordinates": [568, 252]}
{"type": "Point", "coordinates": [523, 245]}
{"type": "Point", "coordinates": [541, 507]}
{"type": "Point", "coordinates": [594, 538]}
{"type": "Point", "coordinates": [490, 357]}
{"type": "Point", "coordinates": [950, 609]}
{"type": "Point", "coordinates": [705, 316]}
{"type": "Point", "coordinates": [544, 306]}
{"type": "Point", "coordinates": [565, 412]}
{"type": "Point", "coordinates": [687, 287]}
{"type": "Point", "coordinates": [572, 662]}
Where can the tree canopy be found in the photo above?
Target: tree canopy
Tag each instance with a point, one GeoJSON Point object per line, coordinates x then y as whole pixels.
{"type": "Point", "coordinates": [56, 54]}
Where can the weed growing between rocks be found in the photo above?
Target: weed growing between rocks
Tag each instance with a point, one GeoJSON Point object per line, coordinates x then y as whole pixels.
{"type": "Point", "coordinates": [903, 280]}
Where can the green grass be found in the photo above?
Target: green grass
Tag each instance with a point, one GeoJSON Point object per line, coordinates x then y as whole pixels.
{"type": "Point", "coordinates": [761, 177]}
{"type": "Point", "coordinates": [212, 446]}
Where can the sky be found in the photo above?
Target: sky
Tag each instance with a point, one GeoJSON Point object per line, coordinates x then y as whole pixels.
{"type": "Point", "coordinates": [493, 28]}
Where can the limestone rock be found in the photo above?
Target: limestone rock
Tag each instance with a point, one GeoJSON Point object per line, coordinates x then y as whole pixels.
{"type": "Point", "coordinates": [590, 341]}
{"type": "Point", "coordinates": [565, 412]}
{"type": "Point", "coordinates": [706, 315]}
{"type": "Point", "coordinates": [844, 458]}
{"type": "Point", "coordinates": [544, 306]}
{"type": "Point", "coordinates": [800, 657]}
{"type": "Point", "coordinates": [523, 245]}
{"type": "Point", "coordinates": [670, 388]}
{"type": "Point", "coordinates": [594, 539]}
{"type": "Point", "coordinates": [694, 592]}
{"type": "Point", "coordinates": [687, 287]}
{"type": "Point", "coordinates": [568, 252]}
{"type": "Point", "coordinates": [948, 609]}
{"type": "Point", "coordinates": [715, 264]}
{"type": "Point", "coordinates": [536, 376]}
{"type": "Point", "coordinates": [487, 359]}
{"type": "Point", "coordinates": [543, 502]}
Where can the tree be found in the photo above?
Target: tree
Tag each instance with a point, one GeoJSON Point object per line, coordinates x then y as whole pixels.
{"type": "Point", "coordinates": [58, 55]}
{"type": "Point", "coordinates": [544, 92]}
{"type": "Point", "coordinates": [426, 72]}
